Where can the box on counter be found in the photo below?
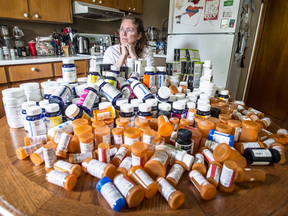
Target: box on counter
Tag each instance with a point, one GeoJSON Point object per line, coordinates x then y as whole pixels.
{"type": "Point", "coordinates": [176, 68]}
{"type": "Point", "coordinates": [193, 55]}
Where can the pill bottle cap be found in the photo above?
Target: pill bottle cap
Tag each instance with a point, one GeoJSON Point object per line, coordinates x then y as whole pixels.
{"type": "Point", "coordinates": [191, 105]}
{"type": "Point", "coordinates": [180, 95]}
{"type": "Point", "coordinates": [72, 111]}
{"type": "Point", "coordinates": [35, 110]}
{"type": "Point", "coordinates": [224, 92]}
{"type": "Point", "coordinates": [114, 68]}
{"type": "Point", "coordinates": [68, 61]}
{"type": "Point", "coordinates": [183, 100]}
{"type": "Point", "coordinates": [150, 69]}
{"type": "Point", "coordinates": [163, 69]}
{"type": "Point", "coordinates": [127, 108]}
{"type": "Point", "coordinates": [121, 101]}
{"type": "Point", "coordinates": [184, 136]}
{"type": "Point", "coordinates": [152, 102]}
{"type": "Point", "coordinates": [36, 98]}
{"type": "Point", "coordinates": [183, 83]}
{"type": "Point", "coordinates": [143, 107]}
{"type": "Point", "coordinates": [172, 98]}
{"type": "Point", "coordinates": [43, 103]}
{"type": "Point", "coordinates": [164, 107]}
{"type": "Point", "coordinates": [53, 107]}
{"type": "Point", "coordinates": [27, 104]}
{"type": "Point", "coordinates": [204, 107]}
{"type": "Point", "coordinates": [178, 105]}
{"type": "Point", "coordinates": [29, 86]}
{"type": "Point", "coordinates": [188, 160]}
{"type": "Point", "coordinates": [111, 74]}
{"type": "Point", "coordinates": [164, 92]}
{"type": "Point", "coordinates": [49, 84]}
{"type": "Point", "coordinates": [135, 102]}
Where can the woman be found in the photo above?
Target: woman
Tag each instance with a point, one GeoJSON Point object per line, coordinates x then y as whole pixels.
{"type": "Point", "coordinates": [133, 44]}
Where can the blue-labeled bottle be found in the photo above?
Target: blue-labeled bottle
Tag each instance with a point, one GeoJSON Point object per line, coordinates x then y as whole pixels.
{"type": "Point", "coordinates": [160, 77]}
{"type": "Point", "coordinates": [112, 79]}
{"type": "Point", "coordinates": [144, 111]}
{"type": "Point", "coordinates": [127, 111]}
{"type": "Point", "coordinates": [53, 115]}
{"type": "Point", "coordinates": [88, 97]}
{"type": "Point", "coordinates": [69, 71]}
{"type": "Point", "coordinates": [178, 110]}
{"type": "Point", "coordinates": [35, 121]}
{"type": "Point", "coordinates": [115, 69]}
{"type": "Point", "coordinates": [93, 75]}
{"type": "Point", "coordinates": [220, 137]}
{"type": "Point", "coordinates": [141, 91]}
{"type": "Point", "coordinates": [163, 94]}
{"type": "Point", "coordinates": [109, 92]}
{"type": "Point", "coordinates": [60, 95]}
{"type": "Point", "coordinates": [74, 112]}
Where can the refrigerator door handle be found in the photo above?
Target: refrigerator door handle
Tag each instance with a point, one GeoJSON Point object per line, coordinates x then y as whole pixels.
{"type": "Point", "coordinates": [171, 16]}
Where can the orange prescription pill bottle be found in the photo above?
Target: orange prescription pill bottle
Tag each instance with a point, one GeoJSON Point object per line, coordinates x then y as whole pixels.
{"type": "Point", "coordinates": [248, 174]}
{"type": "Point", "coordinates": [120, 155]}
{"type": "Point", "coordinates": [104, 152]}
{"type": "Point", "coordinates": [199, 164]}
{"type": "Point", "coordinates": [49, 155]}
{"type": "Point", "coordinates": [24, 152]}
{"type": "Point", "coordinates": [125, 166]}
{"type": "Point", "coordinates": [207, 153]}
{"type": "Point", "coordinates": [149, 138]}
{"type": "Point", "coordinates": [102, 134]}
{"type": "Point", "coordinates": [224, 118]}
{"type": "Point", "coordinates": [175, 173]}
{"type": "Point", "coordinates": [82, 129]}
{"type": "Point", "coordinates": [153, 123]}
{"type": "Point", "coordinates": [118, 136]}
{"type": "Point", "coordinates": [174, 198]}
{"type": "Point", "coordinates": [249, 131]}
{"type": "Point", "coordinates": [227, 176]}
{"type": "Point", "coordinates": [214, 172]}
{"type": "Point", "coordinates": [280, 148]}
{"type": "Point", "coordinates": [174, 121]}
{"type": "Point", "coordinates": [191, 114]}
{"type": "Point", "coordinates": [131, 135]}
{"type": "Point", "coordinates": [214, 100]}
{"type": "Point", "coordinates": [165, 128]}
{"type": "Point", "coordinates": [173, 89]}
{"type": "Point", "coordinates": [196, 136]}
{"type": "Point", "coordinates": [206, 189]}
{"type": "Point", "coordinates": [62, 179]}
{"type": "Point", "coordinates": [157, 138]}
{"type": "Point", "coordinates": [282, 139]}
{"type": "Point", "coordinates": [79, 122]}
{"type": "Point", "coordinates": [134, 194]}
{"type": "Point", "coordinates": [79, 158]}
{"type": "Point", "coordinates": [236, 127]}
{"type": "Point", "coordinates": [109, 122]}
{"type": "Point", "coordinates": [241, 146]}
{"type": "Point", "coordinates": [86, 142]}
{"type": "Point", "coordinates": [139, 122]}
{"type": "Point", "coordinates": [268, 142]}
{"type": "Point", "coordinates": [156, 166]}
{"type": "Point", "coordinates": [32, 140]}
{"type": "Point", "coordinates": [253, 117]}
{"type": "Point", "coordinates": [37, 157]}
{"type": "Point", "coordinates": [139, 153]}
{"type": "Point", "coordinates": [96, 124]}
{"type": "Point", "coordinates": [265, 122]}
{"type": "Point", "coordinates": [67, 167]}
{"type": "Point", "coordinates": [74, 144]}
{"type": "Point", "coordinates": [258, 113]}
{"type": "Point", "coordinates": [224, 152]}
{"type": "Point", "coordinates": [122, 122]}
{"type": "Point", "coordinates": [213, 119]}
{"type": "Point", "coordinates": [63, 144]}
{"type": "Point", "coordinates": [138, 175]}
{"type": "Point", "coordinates": [98, 169]}
{"type": "Point", "coordinates": [197, 120]}
{"type": "Point", "coordinates": [205, 127]}
{"type": "Point", "coordinates": [224, 128]}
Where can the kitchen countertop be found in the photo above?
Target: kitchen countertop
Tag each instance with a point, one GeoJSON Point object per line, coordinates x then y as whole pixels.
{"type": "Point", "coordinates": [41, 59]}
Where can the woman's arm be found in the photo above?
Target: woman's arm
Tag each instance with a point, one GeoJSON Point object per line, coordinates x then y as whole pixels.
{"type": "Point", "coordinates": [124, 55]}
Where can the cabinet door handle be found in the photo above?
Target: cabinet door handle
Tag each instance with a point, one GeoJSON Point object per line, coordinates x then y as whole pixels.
{"type": "Point", "coordinates": [25, 15]}
{"type": "Point", "coordinates": [100, 2]}
{"type": "Point", "coordinates": [133, 8]}
{"type": "Point", "coordinates": [94, 0]}
{"type": "Point", "coordinates": [36, 16]}
{"type": "Point", "coordinates": [129, 8]}
{"type": "Point", "coordinates": [33, 69]}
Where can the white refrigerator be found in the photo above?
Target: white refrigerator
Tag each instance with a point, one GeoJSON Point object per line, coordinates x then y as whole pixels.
{"type": "Point", "coordinates": [210, 26]}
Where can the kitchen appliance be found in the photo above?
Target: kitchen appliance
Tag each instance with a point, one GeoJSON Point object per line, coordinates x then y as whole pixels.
{"type": "Point", "coordinates": [213, 27]}
{"type": "Point", "coordinates": [96, 12]}
{"type": "Point", "coordinates": [82, 45]}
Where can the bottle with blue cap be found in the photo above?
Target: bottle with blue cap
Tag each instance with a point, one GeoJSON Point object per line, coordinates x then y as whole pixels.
{"type": "Point", "coordinates": [220, 137]}
{"type": "Point", "coordinates": [26, 105]}
{"type": "Point", "coordinates": [110, 193]}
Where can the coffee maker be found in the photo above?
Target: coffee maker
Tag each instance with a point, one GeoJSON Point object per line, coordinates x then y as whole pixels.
{"type": "Point", "coordinates": [82, 45]}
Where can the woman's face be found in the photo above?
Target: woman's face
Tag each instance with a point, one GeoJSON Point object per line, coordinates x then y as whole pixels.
{"type": "Point", "coordinates": [128, 33]}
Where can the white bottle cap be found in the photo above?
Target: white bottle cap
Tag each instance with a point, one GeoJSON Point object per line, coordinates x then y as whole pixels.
{"type": "Point", "coordinates": [204, 96]}
{"type": "Point", "coordinates": [43, 103]}
{"type": "Point", "coordinates": [121, 101]}
{"type": "Point", "coordinates": [188, 160]}
{"type": "Point", "coordinates": [29, 86]}
{"type": "Point", "coordinates": [184, 100]}
{"type": "Point", "coordinates": [183, 83]}
{"type": "Point", "coordinates": [188, 91]}
{"type": "Point", "coordinates": [208, 72]}
{"type": "Point", "coordinates": [53, 107]}
{"type": "Point", "coordinates": [149, 69]}
{"type": "Point", "coordinates": [130, 60]}
{"type": "Point", "coordinates": [172, 98]}
{"type": "Point", "coordinates": [68, 61]}
{"type": "Point", "coordinates": [134, 83]}
{"type": "Point", "coordinates": [180, 95]}
{"type": "Point", "coordinates": [35, 110]}
{"type": "Point", "coordinates": [207, 63]}
{"type": "Point", "coordinates": [191, 105]}
{"type": "Point", "coordinates": [164, 107]}
{"type": "Point", "coordinates": [27, 104]}
{"type": "Point", "coordinates": [204, 101]}
{"type": "Point", "coordinates": [13, 92]}
{"type": "Point", "coordinates": [99, 82]}
{"type": "Point", "coordinates": [164, 92]}
{"type": "Point", "coordinates": [115, 68]}
{"type": "Point", "coordinates": [135, 102]}
{"type": "Point", "coordinates": [48, 84]}
{"type": "Point", "coordinates": [50, 90]}
{"type": "Point", "coordinates": [163, 69]}
{"type": "Point", "coordinates": [152, 102]}
{"type": "Point", "coordinates": [36, 98]}
{"type": "Point", "coordinates": [82, 80]}
{"type": "Point", "coordinates": [224, 92]}
{"type": "Point", "coordinates": [178, 105]}
{"type": "Point", "coordinates": [104, 105]}
{"type": "Point", "coordinates": [93, 70]}
{"type": "Point", "coordinates": [72, 111]}
{"type": "Point", "coordinates": [111, 74]}
{"type": "Point", "coordinates": [75, 100]}
{"type": "Point", "coordinates": [143, 107]}
{"type": "Point", "coordinates": [220, 88]}
{"type": "Point", "coordinates": [127, 108]}
{"type": "Point", "coordinates": [203, 107]}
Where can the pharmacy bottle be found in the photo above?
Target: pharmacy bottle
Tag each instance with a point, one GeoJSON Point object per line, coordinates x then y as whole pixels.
{"type": "Point", "coordinates": [160, 77]}
{"type": "Point", "coordinates": [236, 128]}
{"type": "Point", "coordinates": [118, 105]}
{"type": "Point", "coordinates": [207, 153]}
{"type": "Point", "coordinates": [102, 134]}
{"type": "Point", "coordinates": [88, 98]}
{"type": "Point", "coordinates": [141, 91]}
{"type": "Point", "coordinates": [35, 121]}
{"type": "Point", "coordinates": [145, 111]}
{"type": "Point", "coordinates": [127, 90]}
{"type": "Point", "coordinates": [174, 198]}
{"type": "Point", "coordinates": [165, 128]}
{"type": "Point", "coordinates": [199, 164]}
{"type": "Point", "coordinates": [184, 140]}
{"type": "Point", "coordinates": [139, 153]}
{"type": "Point", "coordinates": [203, 110]}
{"type": "Point", "coordinates": [26, 105]}
{"type": "Point", "coordinates": [224, 118]}
{"type": "Point", "coordinates": [223, 128]}
{"type": "Point", "coordinates": [69, 71]}
{"type": "Point", "coordinates": [62, 179]}
{"type": "Point", "coordinates": [125, 166]}
{"type": "Point", "coordinates": [79, 122]}
{"type": "Point", "coordinates": [248, 174]}
{"type": "Point", "coordinates": [224, 152]}
{"type": "Point", "coordinates": [138, 175]}
{"type": "Point", "coordinates": [149, 77]}
{"type": "Point", "coordinates": [110, 193]}
{"type": "Point", "coordinates": [124, 71]}
{"type": "Point", "coordinates": [93, 75]}
{"type": "Point", "coordinates": [196, 137]}
{"type": "Point", "coordinates": [153, 123]}
{"type": "Point", "coordinates": [178, 110]}
{"type": "Point", "coordinates": [154, 107]}
{"type": "Point", "coordinates": [53, 115]}
{"type": "Point", "coordinates": [131, 135]}
{"type": "Point", "coordinates": [156, 166]}
{"type": "Point", "coordinates": [67, 167]}
{"type": "Point", "coordinates": [265, 122]}
{"type": "Point", "coordinates": [281, 149]}
{"type": "Point", "coordinates": [96, 124]}
{"type": "Point", "coordinates": [261, 156]}
{"type": "Point", "coordinates": [191, 113]}
{"type": "Point", "coordinates": [214, 172]}
{"type": "Point", "coordinates": [175, 173]}
{"type": "Point", "coordinates": [139, 122]}
{"type": "Point", "coordinates": [104, 152]}
{"type": "Point", "coordinates": [42, 104]}
{"type": "Point", "coordinates": [61, 95]}
{"type": "Point", "coordinates": [148, 137]}
{"type": "Point", "coordinates": [122, 123]}
{"type": "Point", "coordinates": [118, 136]}
{"type": "Point", "coordinates": [268, 142]}
{"type": "Point", "coordinates": [220, 137]}
{"type": "Point", "coordinates": [224, 95]}
{"type": "Point", "coordinates": [23, 152]}
{"type": "Point", "coordinates": [86, 140]}
{"type": "Point", "coordinates": [98, 169]}
{"type": "Point", "coordinates": [111, 78]}
{"type": "Point", "coordinates": [32, 140]}
{"type": "Point", "coordinates": [127, 111]}
{"type": "Point", "coordinates": [249, 131]}
{"type": "Point", "coordinates": [74, 112]}
{"type": "Point", "coordinates": [82, 129]}
{"type": "Point", "coordinates": [63, 141]}
{"type": "Point", "coordinates": [114, 69]}
{"type": "Point", "coordinates": [110, 92]}
{"type": "Point", "coordinates": [120, 155]}
{"type": "Point", "coordinates": [205, 127]}
{"type": "Point", "coordinates": [49, 152]}
{"type": "Point", "coordinates": [80, 157]}
{"type": "Point", "coordinates": [206, 189]}
{"type": "Point", "coordinates": [164, 109]}
{"type": "Point", "coordinates": [241, 146]}
{"type": "Point", "coordinates": [175, 122]}
{"type": "Point", "coordinates": [257, 112]}
{"type": "Point", "coordinates": [135, 103]}
{"type": "Point", "coordinates": [37, 158]}
{"type": "Point", "coordinates": [163, 94]}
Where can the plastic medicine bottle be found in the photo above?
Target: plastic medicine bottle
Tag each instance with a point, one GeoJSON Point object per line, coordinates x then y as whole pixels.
{"type": "Point", "coordinates": [249, 131]}
{"type": "Point", "coordinates": [26, 105]}
{"type": "Point", "coordinates": [62, 179]}
{"type": "Point", "coordinates": [227, 176]}
{"type": "Point", "coordinates": [178, 110]}
{"type": "Point", "coordinates": [149, 77]}
{"type": "Point", "coordinates": [111, 78]}
{"type": "Point", "coordinates": [67, 167]}
{"type": "Point", "coordinates": [98, 169]}
{"type": "Point", "coordinates": [154, 106]}
{"type": "Point", "coordinates": [110, 92]}
{"type": "Point", "coordinates": [86, 140]}
{"type": "Point", "coordinates": [127, 111]}
{"type": "Point", "coordinates": [60, 95]}
{"type": "Point", "coordinates": [141, 91]}
{"type": "Point", "coordinates": [69, 71]}
{"type": "Point", "coordinates": [93, 75]}
{"type": "Point", "coordinates": [175, 173]}
{"type": "Point", "coordinates": [156, 166]}
{"type": "Point", "coordinates": [214, 172]}
{"type": "Point", "coordinates": [144, 111]}
{"type": "Point", "coordinates": [53, 115]}
{"type": "Point", "coordinates": [74, 112]}
{"type": "Point", "coordinates": [35, 121]}
{"type": "Point", "coordinates": [131, 135]}
{"type": "Point", "coordinates": [139, 153]}
{"type": "Point", "coordinates": [163, 94]}
{"type": "Point", "coordinates": [160, 77]}
{"type": "Point", "coordinates": [88, 98]}
{"type": "Point", "coordinates": [248, 174]}
{"type": "Point", "coordinates": [125, 166]}
{"type": "Point", "coordinates": [49, 155]}
{"type": "Point", "coordinates": [199, 164]}
{"type": "Point", "coordinates": [23, 152]}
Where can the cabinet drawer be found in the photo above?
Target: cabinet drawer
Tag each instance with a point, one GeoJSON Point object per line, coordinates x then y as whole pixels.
{"type": "Point", "coordinates": [28, 72]}
{"type": "Point", "coordinates": [2, 75]}
{"type": "Point", "coordinates": [81, 67]}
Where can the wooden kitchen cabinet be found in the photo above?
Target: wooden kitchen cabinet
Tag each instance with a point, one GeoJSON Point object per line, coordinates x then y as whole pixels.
{"type": "Point", "coordinates": [81, 68]}
{"type": "Point", "coordinates": [108, 3]}
{"type": "Point", "coordinates": [3, 85]}
{"type": "Point", "coordinates": [134, 6]}
{"type": "Point", "coordinates": [17, 9]}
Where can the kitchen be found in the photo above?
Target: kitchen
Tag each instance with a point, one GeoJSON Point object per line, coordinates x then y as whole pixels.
{"type": "Point", "coordinates": [153, 13]}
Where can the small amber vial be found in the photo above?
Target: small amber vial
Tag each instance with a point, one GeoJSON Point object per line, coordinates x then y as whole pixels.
{"type": "Point", "coordinates": [122, 122]}
{"type": "Point", "coordinates": [156, 166]}
{"type": "Point", "coordinates": [118, 136]}
{"type": "Point", "coordinates": [98, 169]}
{"type": "Point", "coordinates": [248, 174]}
{"type": "Point", "coordinates": [125, 166]}
{"type": "Point", "coordinates": [214, 172]}
{"type": "Point", "coordinates": [63, 144]}
{"type": "Point", "coordinates": [249, 131]}
{"type": "Point", "coordinates": [26, 151]}
{"type": "Point", "coordinates": [79, 122]}
{"type": "Point", "coordinates": [153, 123]}
{"type": "Point", "coordinates": [139, 122]}
{"type": "Point", "coordinates": [224, 128]}
{"type": "Point", "coordinates": [227, 176]}
{"type": "Point", "coordinates": [86, 141]}
{"type": "Point", "coordinates": [281, 149]}
{"type": "Point", "coordinates": [104, 152]}
{"type": "Point", "coordinates": [62, 179]}
{"type": "Point", "coordinates": [79, 158]}
{"type": "Point", "coordinates": [241, 146]}
{"type": "Point", "coordinates": [139, 153]}
{"type": "Point", "coordinates": [96, 124]}
{"type": "Point", "coordinates": [205, 127]}
{"type": "Point", "coordinates": [199, 164]}
{"type": "Point", "coordinates": [174, 121]}
{"type": "Point", "coordinates": [120, 155]}
{"type": "Point", "coordinates": [67, 167]}
{"type": "Point", "coordinates": [175, 173]}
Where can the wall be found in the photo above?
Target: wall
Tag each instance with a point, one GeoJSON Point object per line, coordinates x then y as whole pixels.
{"type": "Point", "coordinates": [154, 13]}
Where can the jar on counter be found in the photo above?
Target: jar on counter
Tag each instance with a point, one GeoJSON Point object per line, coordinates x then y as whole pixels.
{"type": "Point", "coordinates": [69, 71]}
{"type": "Point", "coordinates": [115, 69]}
{"type": "Point", "coordinates": [20, 46]}
{"type": "Point", "coordinates": [4, 31]}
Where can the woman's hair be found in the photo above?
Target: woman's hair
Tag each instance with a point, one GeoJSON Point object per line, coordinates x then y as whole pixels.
{"type": "Point", "coordinates": [143, 41]}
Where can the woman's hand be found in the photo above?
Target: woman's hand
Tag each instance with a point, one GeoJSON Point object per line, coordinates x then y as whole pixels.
{"type": "Point", "coordinates": [125, 50]}
{"type": "Point", "coordinates": [132, 51]}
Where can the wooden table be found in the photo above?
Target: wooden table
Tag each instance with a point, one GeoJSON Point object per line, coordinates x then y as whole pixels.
{"type": "Point", "coordinates": [23, 189]}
